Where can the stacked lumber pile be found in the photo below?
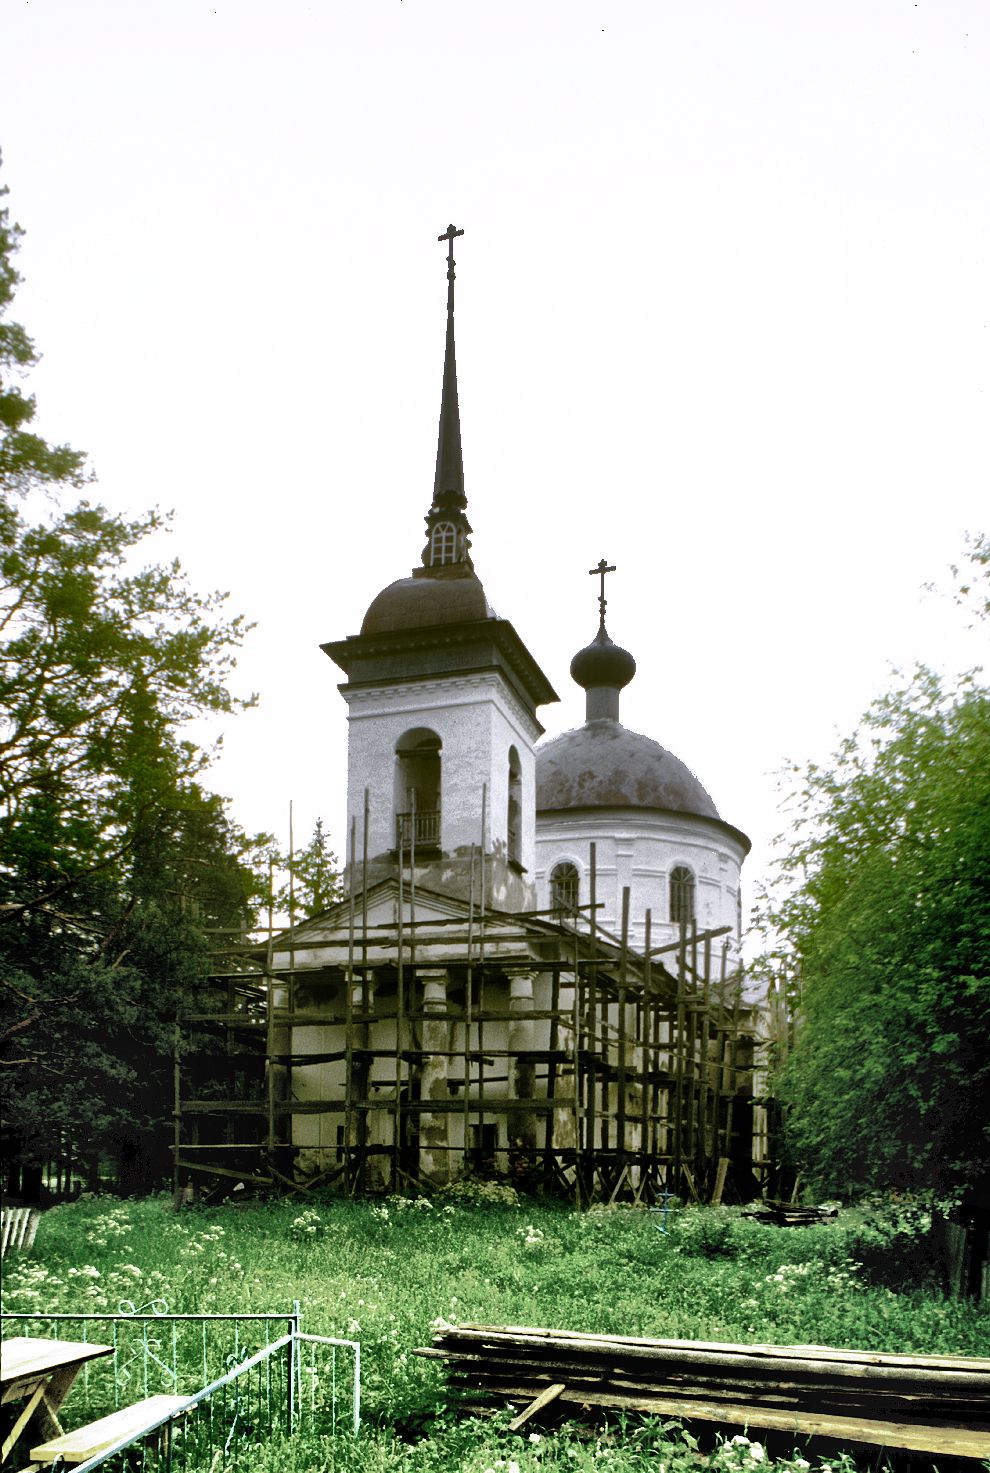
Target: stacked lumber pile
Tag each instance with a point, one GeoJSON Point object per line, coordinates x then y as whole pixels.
{"type": "Point", "coordinates": [925, 1403]}
{"type": "Point", "coordinates": [785, 1214]}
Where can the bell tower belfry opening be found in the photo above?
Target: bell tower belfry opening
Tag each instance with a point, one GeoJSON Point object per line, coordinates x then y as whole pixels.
{"type": "Point", "coordinates": [442, 697]}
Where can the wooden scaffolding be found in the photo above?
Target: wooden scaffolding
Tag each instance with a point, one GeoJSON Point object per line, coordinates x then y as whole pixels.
{"type": "Point", "coordinates": [532, 1047]}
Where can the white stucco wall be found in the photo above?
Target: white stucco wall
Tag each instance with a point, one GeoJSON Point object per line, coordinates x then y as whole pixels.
{"type": "Point", "coordinates": [477, 719]}
{"type": "Point", "coordinates": [640, 849]}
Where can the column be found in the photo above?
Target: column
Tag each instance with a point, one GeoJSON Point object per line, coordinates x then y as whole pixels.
{"type": "Point", "coordinates": [434, 1158]}
{"type": "Point", "coordinates": [521, 1121]}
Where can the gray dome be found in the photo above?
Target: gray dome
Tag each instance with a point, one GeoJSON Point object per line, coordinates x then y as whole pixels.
{"type": "Point", "coordinates": [602, 663]}
{"type": "Point", "coordinates": [422, 603]}
{"type": "Point", "coordinates": [604, 765]}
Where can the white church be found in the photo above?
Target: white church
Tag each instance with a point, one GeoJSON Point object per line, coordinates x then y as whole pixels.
{"type": "Point", "coordinates": [535, 973]}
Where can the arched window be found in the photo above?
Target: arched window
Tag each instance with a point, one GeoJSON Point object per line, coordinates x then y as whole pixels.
{"type": "Point", "coordinates": [681, 895]}
{"type": "Point", "coordinates": [514, 815]}
{"type": "Point", "coordinates": [443, 544]}
{"type": "Point", "coordinates": [417, 789]}
{"type": "Point", "coordinates": [564, 888]}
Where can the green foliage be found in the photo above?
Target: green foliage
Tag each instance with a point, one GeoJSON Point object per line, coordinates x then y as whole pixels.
{"type": "Point", "coordinates": [895, 1241]}
{"type": "Point", "coordinates": [471, 1191]}
{"type": "Point", "coordinates": [883, 908]}
{"type": "Point", "coordinates": [25, 458]}
{"type": "Point", "coordinates": [705, 1231]}
{"type": "Point", "coordinates": [311, 878]}
{"type": "Point", "coordinates": [384, 1274]}
{"type": "Point", "coordinates": [113, 860]}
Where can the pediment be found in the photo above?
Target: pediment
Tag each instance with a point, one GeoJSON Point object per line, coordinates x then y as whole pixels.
{"type": "Point", "coordinates": [325, 938]}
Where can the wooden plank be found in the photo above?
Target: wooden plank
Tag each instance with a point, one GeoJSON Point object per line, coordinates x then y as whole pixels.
{"type": "Point", "coordinates": [86, 1442]}
{"type": "Point", "coordinates": [549, 1394]}
{"type": "Point", "coordinates": [616, 1189]}
{"type": "Point", "coordinates": [815, 1353]}
{"type": "Point", "coordinates": [18, 1226]}
{"type": "Point", "coordinates": [850, 1382]}
{"type": "Point", "coordinates": [915, 1412]}
{"type": "Point", "coordinates": [960, 1441]}
{"type": "Point", "coordinates": [21, 1420]}
{"type": "Point", "coordinates": [926, 1404]}
{"type": "Point", "coordinates": [483, 1372]}
{"type": "Point", "coordinates": [210, 1169]}
{"type": "Point", "coordinates": [33, 1355]}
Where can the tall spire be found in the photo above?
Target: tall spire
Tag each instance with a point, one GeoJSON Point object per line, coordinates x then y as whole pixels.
{"type": "Point", "coordinates": [447, 545]}
{"type": "Point", "coordinates": [448, 485]}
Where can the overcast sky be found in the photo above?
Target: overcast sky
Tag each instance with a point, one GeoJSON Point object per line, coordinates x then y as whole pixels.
{"type": "Point", "coordinates": [722, 318]}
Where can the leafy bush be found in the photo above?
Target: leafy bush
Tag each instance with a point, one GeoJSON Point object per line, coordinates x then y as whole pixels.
{"type": "Point", "coordinates": [895, 1242]}
{"type": "Point", "coordinates": [705, 1232]}
{"type": "Point", "coordinates": [309, 1224]}
{"type": "Point", "coordinates": [470, 1191]}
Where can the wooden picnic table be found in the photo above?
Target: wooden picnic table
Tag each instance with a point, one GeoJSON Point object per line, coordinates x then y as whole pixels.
{"type": "Point", "coordinates": [39, 1373]}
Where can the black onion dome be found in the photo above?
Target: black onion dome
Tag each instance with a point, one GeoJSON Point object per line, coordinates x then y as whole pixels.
{"type": "Point", "coordinates": [602, 663]}
{"type": "Point", "coordinates": [604, 765]}
{"type": "Point", "coordinates": [422, 603]}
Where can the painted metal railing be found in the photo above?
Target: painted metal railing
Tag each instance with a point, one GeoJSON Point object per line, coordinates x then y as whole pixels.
{"type": "Point", "coordinates": [238, 1392]}
{"type": "Point", "coordinates": [215, 1428]}
{"type": "Point", "coordinates": [154, 1351]}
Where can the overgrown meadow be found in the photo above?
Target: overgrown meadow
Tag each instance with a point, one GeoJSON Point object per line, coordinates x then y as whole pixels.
{"type": "Point", "coordinates": [385, 1273]}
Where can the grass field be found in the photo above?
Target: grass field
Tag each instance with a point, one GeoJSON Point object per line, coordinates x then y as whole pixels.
{"type": "Point", "coordinates": [384, 1273]}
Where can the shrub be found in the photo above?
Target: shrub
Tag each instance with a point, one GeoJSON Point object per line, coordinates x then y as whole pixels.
{"type": "Point", "coordinates": [895, 1241]}
{"type": "Point", "coordinates": [471, 1191]}
{"type": "Point", "coordinates": [705, 1232]}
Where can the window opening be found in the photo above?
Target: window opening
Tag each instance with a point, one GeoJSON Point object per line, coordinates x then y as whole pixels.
{"type": "Point", "coordinates": [443, 544]}
{"type": "Point", "coordinates": [681, 895]}
{"type": "Point", "coordinates": [564, 888]}
{"type": "Point", "coordinates": [417, 796]}
{"type": "Point", "coordinates": [514, 816]}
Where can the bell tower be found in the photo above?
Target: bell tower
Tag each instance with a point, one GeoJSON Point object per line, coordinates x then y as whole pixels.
{"type": "Point", "coordinates": [442, 697]}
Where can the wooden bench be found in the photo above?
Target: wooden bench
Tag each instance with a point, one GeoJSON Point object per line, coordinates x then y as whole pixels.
{"type": "Point", "coordinates": [96, 1437]}
{"type": "Point", "coordinates": [930, 1404]}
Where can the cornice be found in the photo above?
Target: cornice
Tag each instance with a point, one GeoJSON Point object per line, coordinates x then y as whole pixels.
{"type": "Point", "coordinates": [408, 643]}
{"type": "Point", "coordinates": [409, 695]}
{"type": "Point", "coordinates": [611, 821]}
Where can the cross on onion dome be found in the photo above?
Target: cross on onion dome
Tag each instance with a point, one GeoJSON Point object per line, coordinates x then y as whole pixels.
{"type": "Point", "coordinates": [599, 572]}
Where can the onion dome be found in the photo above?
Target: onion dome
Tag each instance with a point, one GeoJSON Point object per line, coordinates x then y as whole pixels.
{"type": "Point", "coordinates": [602, 664]}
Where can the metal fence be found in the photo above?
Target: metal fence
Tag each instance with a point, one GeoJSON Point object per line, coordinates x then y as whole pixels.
{"type": "Point", "coordinates": [242, 1383]}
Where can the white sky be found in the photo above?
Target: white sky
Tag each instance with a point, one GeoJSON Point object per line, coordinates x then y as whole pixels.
{"type": "Point", "coordinates": [722, 318]}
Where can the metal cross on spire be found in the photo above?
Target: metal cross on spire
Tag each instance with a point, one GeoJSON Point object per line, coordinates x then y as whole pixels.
{"type": "Point", "coordinates": [599, 572]}
{"type": "Point", "coordinates": [450, 235]}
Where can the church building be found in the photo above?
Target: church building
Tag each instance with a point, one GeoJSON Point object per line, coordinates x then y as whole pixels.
{"type": "Point", "coordinates": [535, 971]}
